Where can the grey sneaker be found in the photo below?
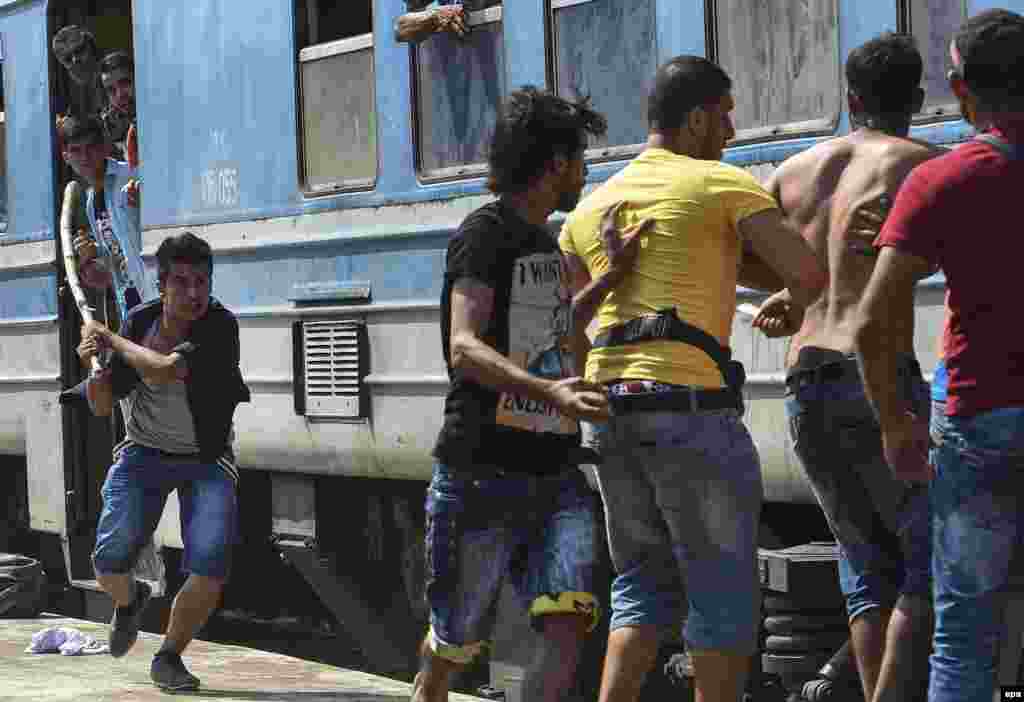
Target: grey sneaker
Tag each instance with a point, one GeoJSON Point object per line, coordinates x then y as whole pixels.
{"type": "Point", "coordinates": [124, 627]}
{"type": "Point", "coordinates": [170, 674]}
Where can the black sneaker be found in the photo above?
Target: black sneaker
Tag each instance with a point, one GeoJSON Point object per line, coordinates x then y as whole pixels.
{"type": "Point", "coordinates": [169, 673]}
{"type": "Point", "coordinates": [124, 627]}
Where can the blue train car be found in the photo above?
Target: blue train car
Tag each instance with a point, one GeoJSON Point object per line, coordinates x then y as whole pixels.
{"type": "Point", "coordinates": [327, 164]}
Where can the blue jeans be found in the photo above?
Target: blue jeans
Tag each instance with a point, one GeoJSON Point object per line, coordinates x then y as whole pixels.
{"type": "Point", "coordinates": [880, 523]}
{"type": "Point", "coordinates": [682, 495]}
{"type": "Point", "coordinates": [134, 494]}
{"type": "Point", "coordinates": [976, 526]}
{"type": "Point", "coordinates": [540, 533]}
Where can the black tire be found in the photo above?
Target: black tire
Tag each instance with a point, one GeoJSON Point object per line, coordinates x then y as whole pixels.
{"type": "Point", "coordinates": [793, 663]}
{"type": "Point", "coordinates": [817, 641]}
{"type": "Point", "coordinates": [22, 586]}
{"type": "Point", "coordinates": [785, 624]}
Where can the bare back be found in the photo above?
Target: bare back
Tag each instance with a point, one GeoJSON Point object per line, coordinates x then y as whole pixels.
{"type": "Point", "coordinates": [822, 190]}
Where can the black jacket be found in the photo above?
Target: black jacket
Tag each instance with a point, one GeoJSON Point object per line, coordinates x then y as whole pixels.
{"type": "Point", "coordinates": [214, 385]}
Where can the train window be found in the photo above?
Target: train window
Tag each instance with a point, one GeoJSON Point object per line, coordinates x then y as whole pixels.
{"type": "Point", "coordinates": [933, 22]}
{"type": "Point", "coordinates": [783, 58]}
{"type": "Point", "coordinates": [459, 87]}
{"type": "Point", "coordinates": [336, 88]}
{"type": "Point", "coordinates": [607, 49]}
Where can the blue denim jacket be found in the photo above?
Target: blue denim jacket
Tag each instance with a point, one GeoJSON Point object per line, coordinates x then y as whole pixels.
{"type": "Point", "coordinates": [125, 253]}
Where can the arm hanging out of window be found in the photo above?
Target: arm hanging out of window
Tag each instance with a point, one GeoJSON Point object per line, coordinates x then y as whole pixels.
{"type": "Point", "coordinates": [413, 27]}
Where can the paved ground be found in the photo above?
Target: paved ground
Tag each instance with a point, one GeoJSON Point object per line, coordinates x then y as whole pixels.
{"type": "Point", "coordinates": [229, 673]}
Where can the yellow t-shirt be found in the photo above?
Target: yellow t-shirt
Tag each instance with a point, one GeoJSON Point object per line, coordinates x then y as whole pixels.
{"type": "Point", "coordinates": [688, 260]}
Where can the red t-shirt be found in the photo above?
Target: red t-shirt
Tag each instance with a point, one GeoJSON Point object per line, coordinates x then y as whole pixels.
{"type": "Point", "coordinates": [957, 212]}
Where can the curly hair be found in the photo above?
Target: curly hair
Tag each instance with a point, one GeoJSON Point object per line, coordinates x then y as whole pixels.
{"type": "Point", "coordinates": [534, 127]}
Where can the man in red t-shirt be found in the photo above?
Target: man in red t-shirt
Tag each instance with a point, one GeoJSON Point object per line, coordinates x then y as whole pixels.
{"type": "Point", "coordinates": [958, 212]}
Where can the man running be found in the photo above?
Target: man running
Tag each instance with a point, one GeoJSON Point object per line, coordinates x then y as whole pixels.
{"type": "Point", "coordinates": [881, 524]}
{"type": "Point", "coordinates": [507, 501]}
{"type": "Point", "coordinates": [175, 370]}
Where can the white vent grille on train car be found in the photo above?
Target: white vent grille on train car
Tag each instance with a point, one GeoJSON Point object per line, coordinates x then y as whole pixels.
{"type": "Point", "coordinates": [332, 368]}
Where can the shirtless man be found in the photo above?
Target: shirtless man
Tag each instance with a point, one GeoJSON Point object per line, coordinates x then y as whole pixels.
{"type": "Point", "coordinates": [837, 192]}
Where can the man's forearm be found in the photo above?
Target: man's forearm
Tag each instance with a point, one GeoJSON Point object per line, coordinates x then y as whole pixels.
{"type": "Point", "coordinates": [584, 308]}
{"type": "Point", "coordinates": [878, 366]}
{"type": "Point", "coordinates": [755, 274]}
{"type": "Point", "coordinates": [100, 395]}
{"type": "Point", "coordinates": [476, 360]}
{"type": "Point", "coordinates": [148, 363]}
{"type": "Point", "coordinates": [414, 27]}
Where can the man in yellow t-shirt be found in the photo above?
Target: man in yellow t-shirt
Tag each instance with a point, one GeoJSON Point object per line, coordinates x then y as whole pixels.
{"type": "Point", "coordinates": [681, 479]}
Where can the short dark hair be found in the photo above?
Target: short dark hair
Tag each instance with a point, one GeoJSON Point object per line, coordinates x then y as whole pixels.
{"type": "Point", "coordinates": [885, 73]}
{"type": "Point", "coordinates": [70, 38]}
{"type": "Point", "coordinates": [182, 248]}
{"type": "Point", "coordinates": [991, 47]}
{"type": "Point", "coordinates": [534, 126]}
{"type": "Point", "coordinates": [682, 84]}
{"type": "Point", "coordinates": [82, 130]}
{"type": "Point", "coordinates": [115, 60]}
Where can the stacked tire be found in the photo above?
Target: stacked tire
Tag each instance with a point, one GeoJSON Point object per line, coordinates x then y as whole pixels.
{"type": "Point", "coordinates": [22, 586]}
{"type": "Point", "coordinates": [806, 643]}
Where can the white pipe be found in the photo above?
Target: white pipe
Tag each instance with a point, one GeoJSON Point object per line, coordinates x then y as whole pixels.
{"type": "Point", "coordinates": [72, 196]}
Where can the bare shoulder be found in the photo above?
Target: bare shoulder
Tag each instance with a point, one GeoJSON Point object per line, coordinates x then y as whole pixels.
{"type": "Point", "coordinates": [909, 151]}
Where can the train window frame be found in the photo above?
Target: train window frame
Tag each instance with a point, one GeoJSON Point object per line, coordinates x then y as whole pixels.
{"type": "Point", "coordinates": [317, 52]}
{"type": "Point", "coordinates": [595, 154]}
{"type": "Point", "coordinates": [942, 112]}
{"type": "Point", "coordinates": [5, 206]}
{"type": "Point", "coordinates": [818, 127]}
{"type": "Point", "coordinates": [476, 18]}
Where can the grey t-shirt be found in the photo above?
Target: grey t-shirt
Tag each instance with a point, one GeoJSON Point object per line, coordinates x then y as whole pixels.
{"type": "Point", "coordinates": [158, 416]}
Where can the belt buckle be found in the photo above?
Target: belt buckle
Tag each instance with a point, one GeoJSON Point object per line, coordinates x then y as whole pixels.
{"type": "Point", "coordinates": [694, 405]}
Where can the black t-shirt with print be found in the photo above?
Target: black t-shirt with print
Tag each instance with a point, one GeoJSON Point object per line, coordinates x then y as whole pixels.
{"type": "Point", "coordinates": [530, 324]}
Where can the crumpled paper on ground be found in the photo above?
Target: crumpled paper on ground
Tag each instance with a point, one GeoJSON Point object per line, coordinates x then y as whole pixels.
{"type": "Point", "coordinates": [66, 641]}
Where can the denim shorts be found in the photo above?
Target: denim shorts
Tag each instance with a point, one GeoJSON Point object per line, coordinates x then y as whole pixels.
{"type": "Point", "coordinates": [538, 533]}
{"type": "Point", "coordinates": [682, 495]}
{"type": "Point", "coordinates": [977, 530]}
{"type": "Point", "coordinates": [880, 522]}
{"type": "Point", "coordinates": [134, 494]}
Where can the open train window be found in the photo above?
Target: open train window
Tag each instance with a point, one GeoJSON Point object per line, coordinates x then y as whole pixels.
{"type": "Point", "coordinates": [336, 94]}
{"type": "Point", "coordinates": [607, 49]}
{"type": "Point", "coordinates": [459, 85]}
{"type": "Point", "coordinates": [783, 58]}
{"type": "Point", "coordinates": [933, 23]}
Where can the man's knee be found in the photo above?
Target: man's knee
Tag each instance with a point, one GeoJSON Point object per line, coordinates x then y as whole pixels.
{"type": "Point", "coordinates": [565, 631]}
{"type": "Point", "coordinates": [208, 584]}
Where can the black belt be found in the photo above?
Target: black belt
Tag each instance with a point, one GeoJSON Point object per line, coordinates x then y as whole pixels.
{"type": "Point", "coordinates": [836, 370]}
{"type": "Point", "coordinates": [682, 400]}
{"type": "Point", "coordinates": [844, 369]}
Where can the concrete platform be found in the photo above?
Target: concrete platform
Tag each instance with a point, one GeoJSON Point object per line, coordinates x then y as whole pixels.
{"type": "Point", "coordinates": [228, 673]}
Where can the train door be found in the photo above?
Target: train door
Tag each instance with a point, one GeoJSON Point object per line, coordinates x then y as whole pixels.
{"type": "Point", "coordinates": [88, 440]}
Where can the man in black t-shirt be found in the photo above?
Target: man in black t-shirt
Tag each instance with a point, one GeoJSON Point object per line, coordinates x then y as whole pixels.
{"type": "Point", "coordinates": [507, 500]}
